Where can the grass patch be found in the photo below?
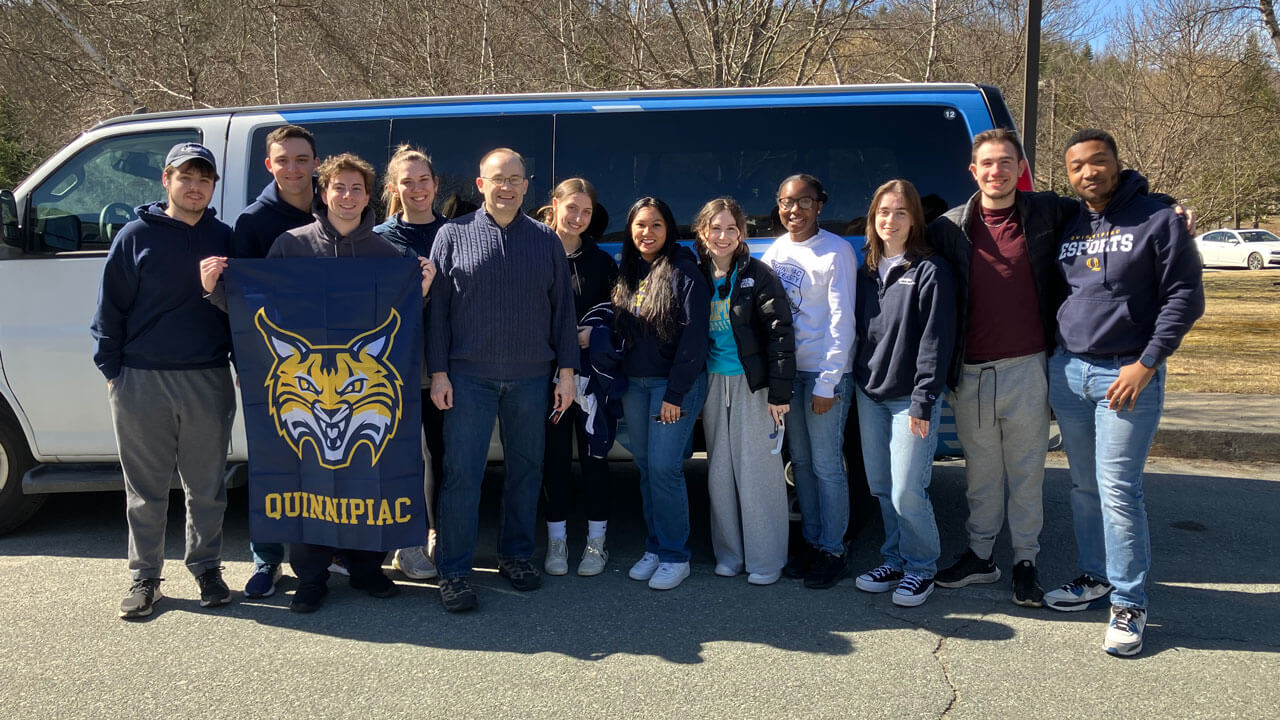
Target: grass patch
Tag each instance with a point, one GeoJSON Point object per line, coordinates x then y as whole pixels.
{"type": "Point", "coordinates": [1235, 347]}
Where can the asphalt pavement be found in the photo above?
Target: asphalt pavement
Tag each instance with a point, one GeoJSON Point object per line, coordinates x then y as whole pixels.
{"type": "Point", "coordinates": [610, 647]}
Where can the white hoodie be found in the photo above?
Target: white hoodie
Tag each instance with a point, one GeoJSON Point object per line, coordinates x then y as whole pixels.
{"type": "Point", "coordinates": [819, 276]}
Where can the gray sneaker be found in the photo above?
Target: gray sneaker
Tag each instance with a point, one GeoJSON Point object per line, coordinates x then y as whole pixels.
{"type": "Point", "coordinates": [142, 597]}
{"type": "Point", "coordinates": [594, 557]}
{"type": "Point", "coordinates": [557, 562]}
{"type": "Point", "coordinates": [414, 563]}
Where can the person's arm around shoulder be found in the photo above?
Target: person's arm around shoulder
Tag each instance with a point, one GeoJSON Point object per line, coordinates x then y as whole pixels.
{"type": "Point", "coordinates": [936, 290]}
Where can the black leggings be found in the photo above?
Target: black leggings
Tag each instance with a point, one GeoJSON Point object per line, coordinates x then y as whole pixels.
{"type": "Point", "coordinates": [433, 427]}
{"type": "Point", "coordinates": [557, 480]}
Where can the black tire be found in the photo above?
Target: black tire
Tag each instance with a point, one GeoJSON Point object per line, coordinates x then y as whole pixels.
{"type": "Point", "coordinates": [1254, 262]}
{"type": "Point", "coordinates": [15, 459]}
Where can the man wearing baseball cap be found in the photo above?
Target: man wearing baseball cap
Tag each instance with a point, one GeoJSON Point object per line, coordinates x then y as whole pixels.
{"type": "Point", "coordinates": [164, 352]}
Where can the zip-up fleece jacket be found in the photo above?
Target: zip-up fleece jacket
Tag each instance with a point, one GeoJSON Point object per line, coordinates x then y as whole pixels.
{"type": "Point", "coordinates": [593, 273]}
{"type": "Point", "coordinates": [760, 317]}
{"type": "Point", "coordinates": [906, 328]}
{"type": "Point", "coordinates": [1044, 216]}
{"type": "Point", "coordinates": [258, 225]}
{"type": "Point", "coordinates": [1133, 277]}
{"type": "Point", "coordinates": [151, 311]}
{"type": "Point", "coordinates": [683, 359]}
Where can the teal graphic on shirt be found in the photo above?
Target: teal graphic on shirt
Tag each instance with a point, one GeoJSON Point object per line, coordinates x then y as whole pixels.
{"type": "Point", "coordinates": [722, 357]}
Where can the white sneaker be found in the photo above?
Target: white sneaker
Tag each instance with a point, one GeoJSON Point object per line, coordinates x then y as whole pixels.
{"type": "Point", "coordinates": [764, 578]}
{"type": "Point", "coordinates": [724, 570]}
{"type": "Point", "coordinates": [645, 567]}
{"type": "Point", "coordinates": [414, 563]}
{"type": "Point", "coordinates": [557, 561]}
{"type": "Point", "coordinates": [1078, 594]}
{"type": "Point", "coordinates": [669, 575]}
{"type": "Point", "coordinates": [1124, 632]}
{"type": "Point", "coordinates": [594, 557]}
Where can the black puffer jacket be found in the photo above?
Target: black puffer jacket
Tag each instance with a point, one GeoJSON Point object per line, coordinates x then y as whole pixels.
{"type": "Point", "coordinates": [760, 316]}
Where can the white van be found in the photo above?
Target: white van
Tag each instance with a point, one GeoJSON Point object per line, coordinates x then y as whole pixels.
{"type": "Point", "coordinates": [683, 146]}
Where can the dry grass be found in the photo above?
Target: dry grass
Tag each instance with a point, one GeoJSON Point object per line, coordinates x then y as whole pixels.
{"type": "Point", "coordinates": [1235, 347]}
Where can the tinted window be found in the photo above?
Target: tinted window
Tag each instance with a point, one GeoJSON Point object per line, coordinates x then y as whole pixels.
{"type": "Point", "coordinates": [1252, 236]}
{"type": "Point", "coordinates": [365, 138]}
{"type": "Point", "coordinates": [689, 157]}
{"type": "Point", "coordinates": [86, 202]}
{"type": "Point", "coordinates": [456, 145]}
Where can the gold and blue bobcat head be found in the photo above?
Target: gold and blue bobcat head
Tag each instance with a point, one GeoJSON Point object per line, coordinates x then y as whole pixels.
{"type": "Point", "coordinates": [335, 397]}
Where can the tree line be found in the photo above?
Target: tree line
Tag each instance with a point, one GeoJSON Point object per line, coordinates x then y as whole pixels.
{"type": "Point", "coordinates": [1190, 88]}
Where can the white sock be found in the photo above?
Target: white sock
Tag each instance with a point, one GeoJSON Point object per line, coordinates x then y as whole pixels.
{"type": "Point", "coordinates": [556, 530]}
{"type": "Point", "coordinates": [596, 528]}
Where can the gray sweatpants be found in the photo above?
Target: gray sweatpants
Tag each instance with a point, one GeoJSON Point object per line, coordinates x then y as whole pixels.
{"type": "Point", "coordinates": [167, 419]}
{"type": "Point", "coordinates": [748, 493]}
{"type": "Point", "coordinates": [1002, 418]}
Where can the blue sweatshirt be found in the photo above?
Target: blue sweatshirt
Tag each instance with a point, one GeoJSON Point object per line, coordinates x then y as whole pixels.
{"type": "Point", "coordinates": [151, 310]}
{"type": "Point", "coordinates": [501, 306]}
{"type": "Point", "coordinates": [258, 225]}
{"type": "Point", "coordinates": [906, 326]}
{"type": "Point", "coordinates": [415, 239]}
{"type": "Point", "coordinates": [1133, 277]}
{"type": "Point", "coordinates": [682, 359]}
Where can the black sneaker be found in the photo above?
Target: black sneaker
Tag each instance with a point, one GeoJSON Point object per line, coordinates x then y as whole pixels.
{"type": "Point", "coordinates": [826, 571]}
{"type": "Point", "coordinates": [376, 584]}
{"type": "Point", "coordinates": [1026, 588]}
{"type": "Point", "coordinates": [457, 596]}
{"type": "Point", "coordinates": [968, 569]}
{"type": "Point", "coordinates": [878, 579]}
{"type": "Point", "coordinates": [522, 575]}
{"type": "Point", "coordinates": [213, 591]}
{"type": "Point", "coordinates": [912, 591]}
{"type": "Point", "coordinates": [797, 566]}
{"type": "Point", "coordinates": [142, 597]}
{"type": "Point", "coordinates": [308, 597]}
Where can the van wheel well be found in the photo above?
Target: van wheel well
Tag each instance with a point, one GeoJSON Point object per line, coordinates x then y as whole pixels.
{"type": "Point", "coordinates": [15, 459]}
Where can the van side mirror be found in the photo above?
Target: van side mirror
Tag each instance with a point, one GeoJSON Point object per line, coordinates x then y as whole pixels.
{"type": "Point", "coordinates": [12, 235]}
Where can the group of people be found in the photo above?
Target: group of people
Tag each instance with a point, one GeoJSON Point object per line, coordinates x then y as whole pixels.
{"type": "Point", "coordinates": [1009, 305]}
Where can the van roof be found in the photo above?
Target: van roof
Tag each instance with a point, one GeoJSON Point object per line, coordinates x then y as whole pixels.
{"type": "Point", "coordinates": [607, 95]}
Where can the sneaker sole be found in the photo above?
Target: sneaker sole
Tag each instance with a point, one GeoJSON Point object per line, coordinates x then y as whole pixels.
{"type": "Point", "coordinates": [395, 565]}
{"type": "Point", "coordinates": [214, 602]}
{"type": "Point", "coordinates": [592, 572]}
{"type": "Point", "coordinates": [462, 607]}
{"type": "Point", "coordinates": [255, 596]}
{"type": "Point", "coordinates": [1123, 650]}
{"type": "Point", "coordinates": [668, 585]}
{"type": "Point", "coordinates": [874, 587]}
{"type": "Point", "coordinates": [557, 570]}
{"type": "Point", "coordinates": [135, 614]}
{"type": "Point", "coordinates": [762, 580]}
{"type": "Point", "coordinates": [912, 600]}
{"type": "Point", "coordinates": [1078, 605]}
{"type": "Point", "coordinates": [642, 575]}
{"type": "Point", "coordinates": [1026, 603]}
{"type": "Point", "coordinates": [976, 578]}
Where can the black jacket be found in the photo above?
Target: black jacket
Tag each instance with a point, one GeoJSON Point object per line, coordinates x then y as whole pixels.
{"type": "Point", "coordinates": [760, 317]}
{"type": "Point", "coordinates": [594, 273]}
{"type": "Point", "coordinates": [1044, 216]}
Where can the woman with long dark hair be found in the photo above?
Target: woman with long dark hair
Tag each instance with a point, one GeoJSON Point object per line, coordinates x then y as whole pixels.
{"type": "Point", "coordinates": [661, 306]}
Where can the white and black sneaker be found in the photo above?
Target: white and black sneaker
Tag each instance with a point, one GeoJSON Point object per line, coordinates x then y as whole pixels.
{"type": "Point", "coordinates": [878, 580]}
{"type": "Point", "coordinates": [1078, 594]}
{"type": "Point", "coordinates": [912, 591]}
{"type": "Point", "coordinates": [1124, 632]}
{"type": "Point", "coordinates": [142, 597]}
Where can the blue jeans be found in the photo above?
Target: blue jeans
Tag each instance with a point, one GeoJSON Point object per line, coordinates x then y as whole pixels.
{"type": "Point", "coordinates": [266, 553]}
{"type": "Point", "coordinates": [520, 408]}
{"type": "Point", "coordinates": [1106, 451]}
{"type": "Point", "coordinates": [816, 444]}
{"type": "Point", "coordinates": [899, 468]}
{"type": "Point", "coordinates": [659, 451]}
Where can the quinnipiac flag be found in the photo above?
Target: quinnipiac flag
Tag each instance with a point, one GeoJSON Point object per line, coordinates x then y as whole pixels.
{"type": "Point", "coordinates": [328, 353]}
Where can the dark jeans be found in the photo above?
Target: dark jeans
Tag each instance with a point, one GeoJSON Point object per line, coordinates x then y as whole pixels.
{"type": "Point", "coordinates": [557, 481]}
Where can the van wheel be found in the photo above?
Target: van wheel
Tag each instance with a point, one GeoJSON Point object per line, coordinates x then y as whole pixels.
{"type": "Point", "coordinates": [15, 459]}
{"type": "Point", "coordinates": [1255, 261]}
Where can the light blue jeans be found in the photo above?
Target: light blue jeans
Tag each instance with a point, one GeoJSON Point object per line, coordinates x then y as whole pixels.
{"type": "Point", "coordinates": [816, 443]}
{"type": "Point", "coordinates": [659, 451]}
{"type": "Point", "coordinates": [1106, 451]}
{"type": "Point", "coordinates": [899, 468]}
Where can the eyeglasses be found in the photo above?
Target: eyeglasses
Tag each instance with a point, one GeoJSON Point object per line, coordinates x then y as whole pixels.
{"type": "Point", "coordinates": [513, 181]}
{"type": "Point", "coordinates": [805, 203]}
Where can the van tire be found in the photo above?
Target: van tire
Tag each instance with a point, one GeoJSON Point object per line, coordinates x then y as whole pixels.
{"type": "Point", "coordinates": [15, 459]}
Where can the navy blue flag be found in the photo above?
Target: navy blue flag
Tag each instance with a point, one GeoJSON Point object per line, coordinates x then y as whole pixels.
{"type": "Point", "coordinates": [329, 354]}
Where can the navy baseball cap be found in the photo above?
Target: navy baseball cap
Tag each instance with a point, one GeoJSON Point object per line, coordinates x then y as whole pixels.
{"type": "Point", "coordinates": [183, 153]}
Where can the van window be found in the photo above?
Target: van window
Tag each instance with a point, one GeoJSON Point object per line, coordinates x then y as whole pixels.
{"type": "Point", "coordinates": [456, 145]}
{"type": "Point", "coordinates": [689, 157]}
{"type": "Point", "coordinates": [367, 139]}
{"type": "Point", "coordinates": [85, 202]}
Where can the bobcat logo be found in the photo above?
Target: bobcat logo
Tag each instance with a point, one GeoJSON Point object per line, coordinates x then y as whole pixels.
{"type": "Point", "coordinates": [335, 397]}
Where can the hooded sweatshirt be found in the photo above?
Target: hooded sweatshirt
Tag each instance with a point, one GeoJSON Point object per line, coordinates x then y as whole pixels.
{"type": "Point", "coordinates": [258, 225]}
{"type": "Point", "coordinates": [321, 239]}
{"type": "Point", "coordinates": [681, 359]}
{"type": "Point", "coordinates": [412, 238]}
{"type": "Point", "coordinates": [151, 312]}
{"type": "Point", "coordinates": [1133, 277]}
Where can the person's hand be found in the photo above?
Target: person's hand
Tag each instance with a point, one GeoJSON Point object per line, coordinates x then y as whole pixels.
{"type": "Point", "coordinates": [918, 427]}
{"type": "Point", "coordinates": [777, 411]}
{"type": "Point", "coordinates": [111, 382]}
{"type": "Point", "coordinates": [584, 336]}
{"type": "Point", "coordinates": [441, 391]}
{"type": "Point", "coordinates": [822, 404]}
{"type": "Point", "coordinates": [565, 391]}
{"type": "Point", "coordinates": [669, 413]}
{"type": "Point", "coordinates": [1129, 385]}
{"type": "Point", "coordinates": [428, 274]}
{"type": "Point", "coordinates": [1189, 216]}
{"type": "Point", "coordinates": [210, 270]}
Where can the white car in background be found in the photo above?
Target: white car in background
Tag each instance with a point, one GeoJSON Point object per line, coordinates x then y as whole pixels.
{"type": "Point", "coordinates": [1254, 249]}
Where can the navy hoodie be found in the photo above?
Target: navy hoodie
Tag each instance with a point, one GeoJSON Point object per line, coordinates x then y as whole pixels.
{"type": "Point", "coordinates": [683, 359]}
{"type": "Point", "coordinates": [258, 225]}
{"type": "Point", "coordinates": [415, 239]}
{"type": "Point", "coordinates": [906, 332]}
{"type": "Point", "coordinates": [151, 309]}
{"type": "Point", "coordinates": [1133, 277]}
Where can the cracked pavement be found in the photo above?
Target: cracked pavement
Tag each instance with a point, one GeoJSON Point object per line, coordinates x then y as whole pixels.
{"type": "Point", "coordinates": [609, 647]}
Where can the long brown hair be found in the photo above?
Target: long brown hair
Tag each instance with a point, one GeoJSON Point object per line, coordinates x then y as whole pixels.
{"type": "Point", "coordinates": [567, 187]}
{"type": "Point", "coordinates": [916, 247]}
{"type": "Point", "coordinates": [404, 155]}
{"type": "Point", "coordinates": [657, 311]}
{"type": "Point", "coordinates": [702, 225]}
